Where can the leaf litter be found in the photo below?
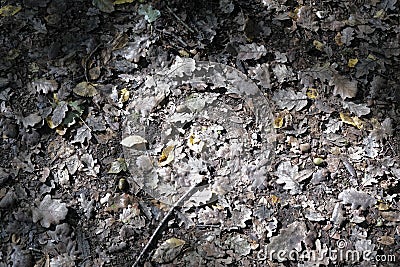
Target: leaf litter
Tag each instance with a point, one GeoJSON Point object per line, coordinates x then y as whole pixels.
{"type": "Point", "coordinates": [67, 197]}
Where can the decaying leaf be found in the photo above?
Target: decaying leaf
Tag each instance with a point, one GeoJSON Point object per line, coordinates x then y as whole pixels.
{"type": "Point", "coordinates": [50, 211]}
{"type": "Point", "coordinates": [31, 120]}
{"type": "Point", "coordinates": [356, 199]}
{"type": "Point", "coordinates": [168, 250]}
{"type": "Point", "coordinates": [371, 147]}
{"type": "Point", "coordinates": [239, 244]}
{"type": "Point", "coordinates": [283, 73]}
{"type": "Point", "coordinates": [381, 130]}
{"type": "Point", "coordinates": [386, 240]}
{"type": "Point", "coordinates": [120, 2]}
{"type": "Point", "coordinates": [347, 35]}
{"type": "Point", "coordinates": [289, 239]}
{"type": "Point", "coordinates": [118, 166]}
{"type": "Point", "coordinates": [85, 89]}
{"type": "Point", "coordinates": [287, 174]}
{"type": "Point", "coordinates": [43, 85]}
{"type": "Point", "coordinates": [9, 10]}
{"type": "Point", "coordinates": [343, 86]}
{"type": "Point", "coordinates": [352, 62]}
{"type": "Point", "coordinates": [58, 115]}
{"type": "Point", "coordinates": [288, 99]}
{"type": "Point", "coordinates": [106, 6]}
{"type": "Point", "coordinates": [82, 134]}
{"type": "Point", "coordinates": [251, 51]}
{"type": "Point", "coordinates": [355, 121]}
{"type": "Point", "coordinates": [357, 109]}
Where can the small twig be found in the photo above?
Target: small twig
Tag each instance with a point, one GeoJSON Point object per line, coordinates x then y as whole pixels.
{"type": "Point", "coordinates": [163, 222]}
{"type": "Point", "coordinates": [179, 19]}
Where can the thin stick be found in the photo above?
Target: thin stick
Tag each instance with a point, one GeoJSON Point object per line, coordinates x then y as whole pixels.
{"type": "Point", "coordinates": [163, 222]}
{"type": "Point", "coordinates": [181, 21]}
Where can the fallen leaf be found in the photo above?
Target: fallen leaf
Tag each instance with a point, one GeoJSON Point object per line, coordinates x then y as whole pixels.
{"type": "Point", "coordinates": [312, 93]}
{"type": "Point", "coordinates": [120, 2]}
{"type": "Point", "coordinates": [106, 6]}
{"type": "Point", "coordinates": [357, 109]}
{"type": "Point", "coordinates": [118, 166]}
{"type": "Point", "coordinates": [168, 250]}
{"type": "Point", "coordinates": [289, 240]}
{"type": "Point", "coordinates": [354, 121]}
{"type": "Point", "coordinates": [251, 51]}
{"type": "Point", "coordinates": [50, 211]}
{"type": "Point", "coordinates": [288, 99]}
{"type": "Point", "coordinates": [287, 175]}
{"type": "Point", "coordinates": [82, 134]}
{"type": "Point", "coordinates": [167, 156]}
{"type": "Point", "coordinates": [85, 89]}
{"type": "Point", "coordinates": [132, 140]}
{"type": "Point", "coordinates": [352, 62]}
{"type": "Point", "coordinates": [9, 10]}
{"type": "Point", "coordinates": [343, 86]}
{"type": "Point", "coordinates": [356, 199]}
{"type": "Point", "coordinates": [386, 240]}
{"type": "Point", "coordinates": [149, 13]}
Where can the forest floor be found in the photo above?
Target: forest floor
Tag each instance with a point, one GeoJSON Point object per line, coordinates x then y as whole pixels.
{"type": "Point", "coordinates": [199, 133]}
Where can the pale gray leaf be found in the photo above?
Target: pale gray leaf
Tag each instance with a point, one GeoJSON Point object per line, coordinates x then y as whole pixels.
{"type": "Point", "coordinates": [356, 199]}
{"type": "Point", "coordinates": [50, 211]}
{"type": "Point", "coordinates": [370, 146]}
{"type": "Point", "coordinates": [251, 51]}
{"type": "Point", "coordinates": [283, 73]}
{"type": "Point", "coordinates": [288, 99]}
{"type": "Point", "coordinates": [44, 86]}
{"type": "Point", "coordinates": [59, 113]}
{"type": "Point", "coordinates": [289, 239]}
{"type": "Point", "coordinates": [82, 134]}
{"type": "Point", "coordinates": [347, 35]}
{"type": "Point", "coordinates": [287, 174]}
{"type": "Point", "coordinates": [357, 109]}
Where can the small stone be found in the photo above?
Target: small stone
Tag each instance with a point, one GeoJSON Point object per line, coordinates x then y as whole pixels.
{"type": "Point", "coordinates": [305, 147]}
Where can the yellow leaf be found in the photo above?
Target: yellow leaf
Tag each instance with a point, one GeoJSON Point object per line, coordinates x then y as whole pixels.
{"type": "Point", "coordinates": [318, 45]}
{"type": "Point", "coordinates": [274, 199]}
{"type": "Point", "coordinates": [278, 123]}
{"type": "Point", "coordinates": [312, 93]}
{"type": "Point", "coordinates": [355, 121]}
{"type": "Point", "coordinates": [193, 140]}
{"type": "Point", "coordinates": [183, 53]}
{"type": "Point", "coordinates": [352, 62]}
{"type": "Point", "coordinates": [380, 14]}
{"type": "Point", "coordinates": [383, 206]}
{"type": "Point", "coordinates": [124, 95]}
{"type": "Point", "coordinates": [120, 2]}
{"type": "Point", "coordinates": [9, 10]}
{"type": "Point", "coordinates": [175, 242]}
{"type": "Point", "coordinates": [371, 57]}
{"type": "Point", "coordinates": [167, 156]}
